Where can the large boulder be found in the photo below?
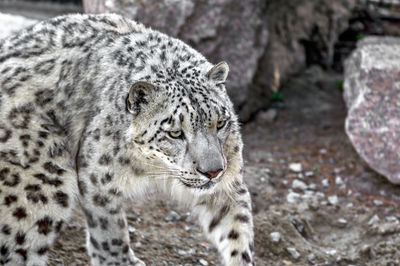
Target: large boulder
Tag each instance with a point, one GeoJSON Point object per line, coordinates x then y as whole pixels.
{"type": "Point", "coordinates": [12, 23]}
{"type": "Point", "coordinates": [372, 96]}
{"type": "Point", "coordinates": [301, 33]}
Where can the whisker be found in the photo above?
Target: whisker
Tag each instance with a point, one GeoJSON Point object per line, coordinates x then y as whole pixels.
{"type": "Point", "coordinates": [160, 167]}
{"type": "Point", "coordinates": [160, 173]}
{"type": "Point", "coordinates": [154, 166]}
{"type": "Point", "coordinates": [157, 176]}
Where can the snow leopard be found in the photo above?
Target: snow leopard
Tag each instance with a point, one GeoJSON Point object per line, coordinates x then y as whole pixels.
{"type": "Point", "coordinates": [99, 109]}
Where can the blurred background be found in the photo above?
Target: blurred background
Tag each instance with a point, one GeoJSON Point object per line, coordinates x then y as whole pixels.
{"type": "Point", "coordinates": [316, 84]}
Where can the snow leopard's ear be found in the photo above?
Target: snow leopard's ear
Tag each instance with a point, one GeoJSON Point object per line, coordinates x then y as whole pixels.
{"type": "Point", "coordinates": [219, 72]}
{"type": "Point", "coordinates": [138, 96]}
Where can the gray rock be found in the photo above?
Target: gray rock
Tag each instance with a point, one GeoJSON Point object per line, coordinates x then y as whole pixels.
{"type": "Point", "coordinates": [203, 262]}
{"type": "Point", "coordinates": [12, 23]}
{"type": "Point", "coordinates": [339, 180]}
{"type": "Point", "coordinates": [331, 252]}
{"type": "Point", "coordinates": [333, 200]}
{"type": "Point", "coordinates": [275, 237]}
{"type": "Point", "coordinates": [268, 116]}
{"type": "Point", "coordinates": [309, 174]}
{"type": "Point", "coordinates": [295, 167]}
{"type": "Point", "coordinates": [312, 186]}
{"type": "Point", "coordinates": [311, 257]}
{"type": "Point", "coordinates": [239, 32]}
{"type": "Point", "coordinates": [231, 30]}
{"type": "Point", "coordinates": [374, 219]}
{"type": "Point", "coordinates": [392, 219]}
{"type": "Point", "coordinates": [172, 217]}
{"type": "Point", "coordinates": [342, 222]}
{"type": "Point", "coordinates": [292, 197]}
{"type": "Point", "coordinates": [294, 253]}
{"type": "Point", "coordinates": [299, 184]}
{"type": "Point", "coordinates": [292, 46]}
{"type": "Point", "coordinates": [372, 96]}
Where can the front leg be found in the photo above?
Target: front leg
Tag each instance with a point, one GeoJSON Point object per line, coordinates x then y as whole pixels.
{"type": "Point", "coordinates": [107, 231]}
{"type": "Point", "coordinates": [227, 221]}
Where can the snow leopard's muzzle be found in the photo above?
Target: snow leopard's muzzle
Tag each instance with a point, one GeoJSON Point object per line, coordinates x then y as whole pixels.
{"type": "Point", "coordinates": [206, 155]}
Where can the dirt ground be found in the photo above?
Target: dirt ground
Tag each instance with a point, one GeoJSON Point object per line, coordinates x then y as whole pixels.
{"type": "Point", "coordinates": [332, 211]}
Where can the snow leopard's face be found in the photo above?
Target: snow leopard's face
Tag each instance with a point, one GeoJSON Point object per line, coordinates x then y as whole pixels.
{"type": "Point", "coordinates": [188, 130]}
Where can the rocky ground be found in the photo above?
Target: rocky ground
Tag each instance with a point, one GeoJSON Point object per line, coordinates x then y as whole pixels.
{"type": "Point", "coordinates": [315, 201]}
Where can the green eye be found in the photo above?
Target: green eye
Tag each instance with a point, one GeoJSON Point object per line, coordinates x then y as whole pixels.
{"type": "Point", "coordinates": [176, 134]}
{"type": "Point", "coordinates": [221, 124]}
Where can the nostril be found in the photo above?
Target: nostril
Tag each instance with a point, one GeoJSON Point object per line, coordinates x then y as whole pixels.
{"type": "Point", "coordinates": [210, 174]}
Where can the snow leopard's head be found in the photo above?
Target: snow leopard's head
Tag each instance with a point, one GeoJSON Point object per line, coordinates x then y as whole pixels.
{"type": "Point", "coordinates": [185, 128]}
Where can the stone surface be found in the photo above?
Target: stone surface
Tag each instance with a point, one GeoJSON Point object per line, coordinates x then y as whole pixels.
{"type": "Point", "coordinates": [172, 216]}
{"type": "Point", "coordinates": [203, 262]}
{"type": "Point", "coordinates": [301, 33]}
{"type": "Point", "coordinates": [264, 42]}
{"type": "Point", "coordinates": [231, 30]}
{"type": "Point", "coordinates": [293, 252]}
{"type": "Point", "coordinates": [299, 184]}
{"type": "Point", "coordinates": [39, 10]}
{"type": "Point", "coordinates": [372, 96]}
{"type": "Point", "coordinates": [333, 200]}
{"type": "Point", "coordinates": [342, 222]}
{"type": "Point", "coordinates": [275, 237]}
{"type": "Point", "coordinates": [292, 197]}
{"type": "Point", "coordinates": [295, 167]}
{"type": "Point", "coordinates": [268, 116]}
{"type": "Point", "coordinates": [12, 23]}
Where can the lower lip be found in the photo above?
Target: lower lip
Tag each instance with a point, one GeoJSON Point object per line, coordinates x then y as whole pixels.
{"type": "Point", "coordinates": [207, 185]}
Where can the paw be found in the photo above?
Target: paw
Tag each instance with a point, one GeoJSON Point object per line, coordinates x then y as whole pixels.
{"type": "Point", "coordinates": [237, 258]}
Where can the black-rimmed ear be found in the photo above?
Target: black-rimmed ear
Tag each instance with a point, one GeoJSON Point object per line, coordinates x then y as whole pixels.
{"type": "Point", "coordinates": [219, 72]}
{"type": "Point", "coordinates": [138, 96]}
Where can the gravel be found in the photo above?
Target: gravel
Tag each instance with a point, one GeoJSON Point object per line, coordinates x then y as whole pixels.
{"type": "Point", "coordinates": [342, 222]}
{"type": "Point", "coordinates": [333, 200]}
{"type": "Point", "coordinates": [299, 184]}
{"type": "Point", "coordinates": [292, 197]}
{"type": "Point", "coordinates": [373, 219]}
{"type": "Point", "coordinates": [293, 252]}
{"type": "Point", "coordinates": [331, 252]}
{"type": "Point", "coordinates": [203, 262]}
{"type": "Point", "coordinates": [295, 167]}
{"type": "Point", "coordinates": [311, 257]}
{"type": "Point", "coordinates": [172, 216]}
{"type": "Point", "coordinates": [268, 116]}
{"type": "Point", "coordinates": [339, 181]}
{"type": "Point", "coordinates": [309, 173]}
{"type": "Point", "coordinates": [275, 237]}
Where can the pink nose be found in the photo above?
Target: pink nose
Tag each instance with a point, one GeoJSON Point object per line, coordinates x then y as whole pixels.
{"type": "Point", "coordinates": [212, 175]}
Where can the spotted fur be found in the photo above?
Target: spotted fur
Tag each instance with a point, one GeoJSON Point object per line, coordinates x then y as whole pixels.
{"type": "Point", "coordinates": [96, 109]}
